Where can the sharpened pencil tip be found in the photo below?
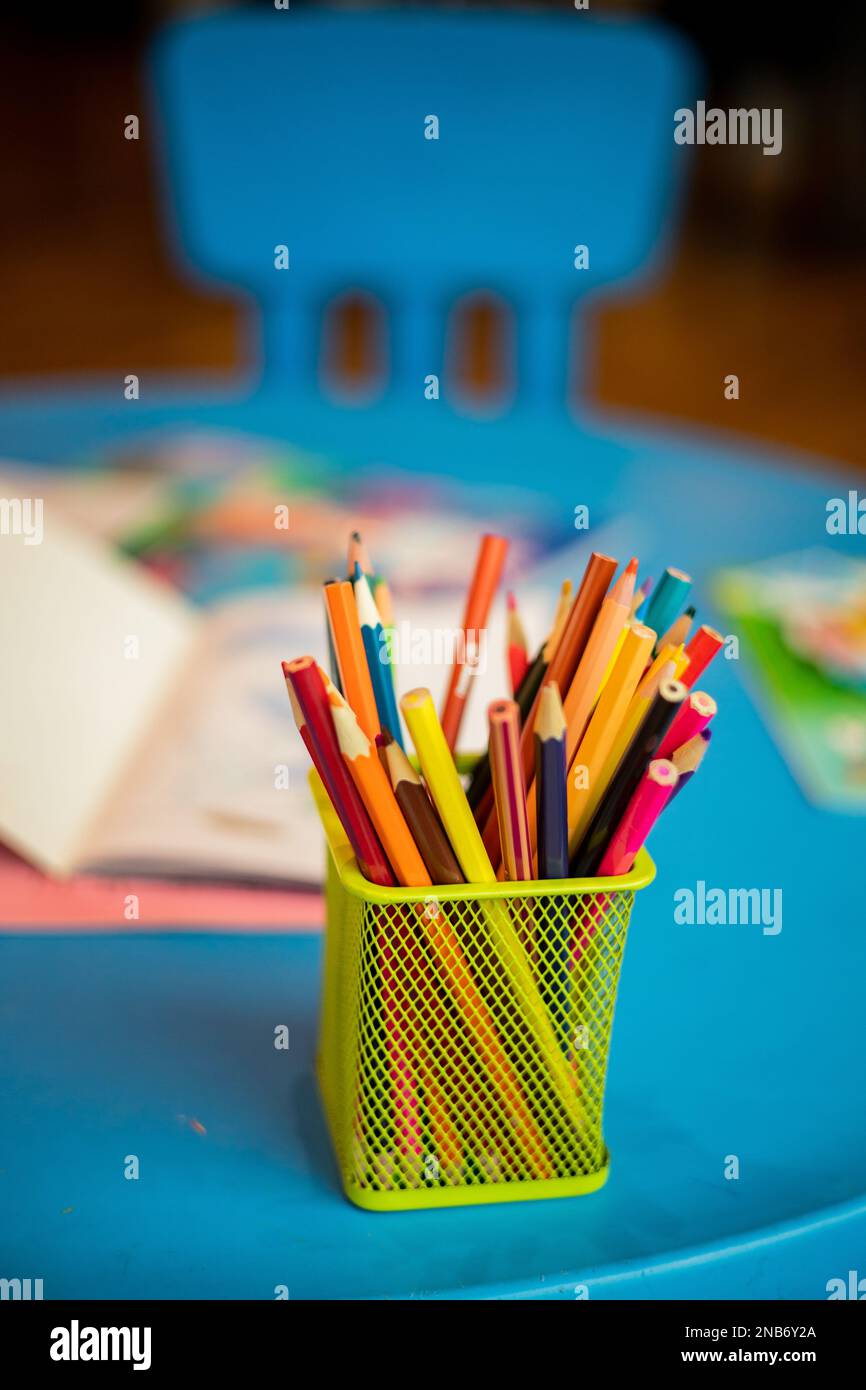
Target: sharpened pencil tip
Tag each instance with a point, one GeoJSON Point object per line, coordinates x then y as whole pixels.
{"type": "Point", "coordinates": [631, 567]}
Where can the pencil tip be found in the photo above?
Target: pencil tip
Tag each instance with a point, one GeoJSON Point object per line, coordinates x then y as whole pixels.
{"type": "Point", "coordinates": [357, 572]}
{"type": "Point", "coordinates": [631, 567]}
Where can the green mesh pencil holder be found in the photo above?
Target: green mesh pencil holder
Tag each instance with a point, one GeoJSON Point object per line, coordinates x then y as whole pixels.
{"type": "Point", "coordinates": [464, 1032]}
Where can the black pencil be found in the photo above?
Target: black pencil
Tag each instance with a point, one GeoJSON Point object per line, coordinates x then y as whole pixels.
{"type": "Point", "coordinates": [630, 769]}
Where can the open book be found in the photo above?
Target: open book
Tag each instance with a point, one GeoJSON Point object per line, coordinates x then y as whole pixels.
{"type": "Point", "coordinates": [139, 734]}
{"type": "Point", "coordinates": [142, 735]}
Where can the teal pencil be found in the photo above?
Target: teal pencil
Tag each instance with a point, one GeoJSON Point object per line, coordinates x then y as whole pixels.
{"type": "Point", "coordinates": [378, 658]}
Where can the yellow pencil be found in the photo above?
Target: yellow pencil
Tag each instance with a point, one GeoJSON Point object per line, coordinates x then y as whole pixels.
{"type": "Point", "coordinates": [443, 783]}
{"type": "Point", "coordinates": [560, 617]}
{"type": "Point", "coordinates": [614, 657]}
{"type": "Point", "coordinates": [668, 653]}
{"type": "Point", "coordinates": [578, 703]}
{"type": "Point", "coordinates": [640, 703]}
{"type": "Point", "coordinates": [585, 772]}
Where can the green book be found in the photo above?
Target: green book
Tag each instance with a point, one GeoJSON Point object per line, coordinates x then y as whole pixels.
{"type": "Point", "coordinates": [801, 621]}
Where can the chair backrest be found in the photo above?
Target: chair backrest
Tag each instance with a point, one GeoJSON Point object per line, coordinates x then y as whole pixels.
{"type": "Point", "coordinates": [310, 131]}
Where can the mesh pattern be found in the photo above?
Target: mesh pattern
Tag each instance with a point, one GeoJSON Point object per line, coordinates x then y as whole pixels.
{"type": "Point", "coordinates": [464, 1041]}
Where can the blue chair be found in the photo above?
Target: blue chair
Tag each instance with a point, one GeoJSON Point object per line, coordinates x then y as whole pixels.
{"type": "Point", "coordinates": [546, 135]}
{"type": "Point", "coordinates": [307, 130]}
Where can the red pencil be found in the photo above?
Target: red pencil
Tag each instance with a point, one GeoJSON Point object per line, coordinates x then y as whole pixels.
{"type": "Point", "coordinates": [315, 708]}
{"type": "Point", "coordinates": [518, 657]}
{"type": "Point", "coordinates": [705, 644]}
{"type": "Point", "coordinates": [485, 581]}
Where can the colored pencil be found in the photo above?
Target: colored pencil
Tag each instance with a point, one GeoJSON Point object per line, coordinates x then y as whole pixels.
{"type": "Point", "coordinates": [378, 586]}
{"type": "Point", "coordinates": [663, 656]}
{"type": "Point", "coordinates": [693, 715]}
{"type": "Point", "coordinates": [640, 597]}
{"type": "Point", "coordinates": [635, 715]}
{"type": "Point", "coordinates": [585, 792]}
{"type": "Point", "coordinates": [550, 773]}
{"type": "Point", "coordinates": [560, 618]}
{"type": "Point", "coordinates": [705, 644]}
{"type": "Point", "coordinates": [483, 586]}
{"type": "Point", "coordinates": [479, 793]}
{"type": "Point", "coordinates": [563, 663]}
{"type": "Point", "coordinates": [578, 703]}
{"type": "Point", "coordinates": [357, 555]}
{"type": "Point", "coordinates": [518, 658]}
{"type": "Point", "coordinates": [443, 782]}
{"type": "Point", "coordinates": [678, 630]}
{"type": "Point", "coordinates": [374, 788]}
{"type": "Point", "coordinates": [643, 810]}
{"type": "Point", "coordinates": [570, 647]}
{"type": "Point", "coordinates": [316, 709]}
{"type": "Point", "coordinates": [667, 599]}
{"type": "Point", "coordinates": [420, 814]}
{"type": "Point", "coordinates": [333, 667]}
{"type": "Point", "coordinates": [509, 790]}
{"type": "Point", "coordinates": [688, 759]}
{"type": "Point", "coordinates": [586, 857]}
{"type": "Point", "coordinates": [612, 660]}
{"type": "Point", "coordinates": [354, 671]}
{"type": "Point", "coordinates": [378, 656]}
{"type": "Point", "coordinates": [394, 932]}
{"type": "Point", "coordinates": [301, 725]}
{"type": "Point", "coordinates": [553, 935]}
{"type": "Point", "coordinates": [480, 790]}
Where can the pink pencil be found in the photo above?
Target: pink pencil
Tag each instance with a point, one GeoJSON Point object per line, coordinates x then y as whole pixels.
{"type": "Point", "coordinates": [508, 787]}
{"type": "Point", "coordinates": [693, 715]}
{"type": "Point", "coordinates": [652, 795]}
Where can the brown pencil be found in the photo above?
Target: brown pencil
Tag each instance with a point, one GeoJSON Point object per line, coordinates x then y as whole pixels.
{"type": "Point", "coordinates": [563, 664]}
{"type": "Point", "coordinates": [419, 813]}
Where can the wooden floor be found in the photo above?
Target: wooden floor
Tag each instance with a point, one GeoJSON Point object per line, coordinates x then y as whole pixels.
{"type": "Point", "coordinates": [86, 285]}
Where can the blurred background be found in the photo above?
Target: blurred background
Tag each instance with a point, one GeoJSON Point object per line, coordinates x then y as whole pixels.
{"type": "Point", "coordinates": [767, 278]}
{"type": "Point", "coordinates": [172, 790]}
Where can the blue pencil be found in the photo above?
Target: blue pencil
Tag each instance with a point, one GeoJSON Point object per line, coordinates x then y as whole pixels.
{"type": "Point", "coordinates": [552, 797]}
{"type": "Point", "coordinates": [552, 811]}
{"type": "Point", "coordinates": [668, 600]}
{"type": "Point", "coordinates": [378, 657]}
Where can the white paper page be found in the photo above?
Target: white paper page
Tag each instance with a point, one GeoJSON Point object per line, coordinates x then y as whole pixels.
{"type": "Point", "coordinates": [207, 796]}
{"type": "Point", "coordinates": [90, 645]}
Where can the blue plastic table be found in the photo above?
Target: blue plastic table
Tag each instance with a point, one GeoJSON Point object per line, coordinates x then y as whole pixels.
{"type": "Point", "coordinates": [726, 1041]}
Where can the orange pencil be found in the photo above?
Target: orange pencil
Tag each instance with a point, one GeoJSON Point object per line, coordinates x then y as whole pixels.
{"type": "Point", "coordinates": [678, 630]}
{"type": "Point", "coordinates": [570, 647]}
{"type": "Point", "coordinates": [375, 790]}
{"type": "Point", "coordinates": [485, 581]}
{"type": "Point", "coordinates": [584, 793]}
{"type": "Point", "coordinates": [351, 657]}
{"type": "Point", "coordinates": [560, 618]}
{"type": "Point", "coordinates": [578, 703]}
